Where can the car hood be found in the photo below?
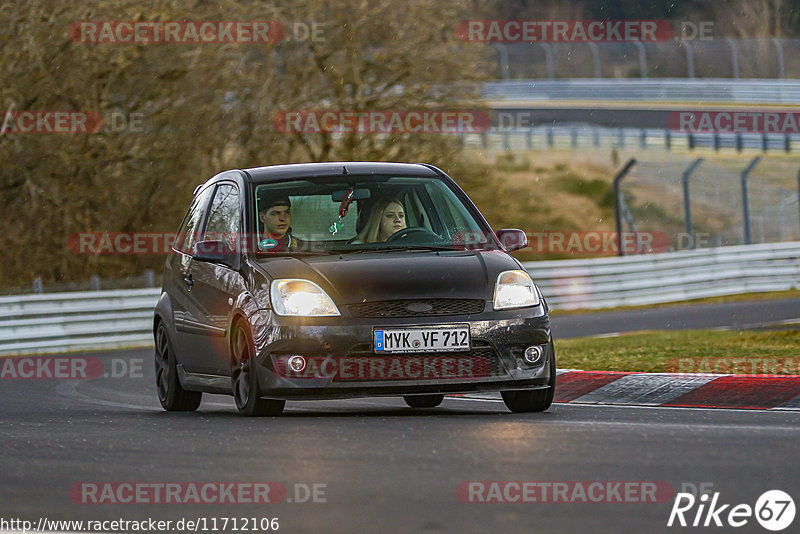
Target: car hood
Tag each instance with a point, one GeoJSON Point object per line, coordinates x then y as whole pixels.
{"type": "Point", "coordinates": [353, 278]}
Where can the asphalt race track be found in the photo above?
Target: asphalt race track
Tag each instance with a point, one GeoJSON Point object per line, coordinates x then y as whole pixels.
{"type": "Point", "coordinates": [744, 314]}
{"type": "Point", "coordinates": [378, 465]}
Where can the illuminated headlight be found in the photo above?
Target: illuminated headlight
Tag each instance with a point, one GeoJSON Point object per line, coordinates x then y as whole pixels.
{"type": "Point", "coordinates": [301, 298]}
{"type": "Point", "coordinates": [515, 289]}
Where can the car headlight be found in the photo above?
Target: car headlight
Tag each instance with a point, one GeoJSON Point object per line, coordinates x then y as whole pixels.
{"type": "Point", "coordinates": [291, 296]}
{"type": "Point", "coordinates": [515, 289]}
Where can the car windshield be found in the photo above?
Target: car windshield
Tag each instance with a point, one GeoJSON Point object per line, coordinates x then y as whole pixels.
{"type": "Point", "coordinates": [357, 214]}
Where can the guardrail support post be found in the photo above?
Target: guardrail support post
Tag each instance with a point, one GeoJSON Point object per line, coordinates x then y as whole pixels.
{"type": "Point", "coordinates": [618, 201]}
{"type": "Point", "coordinates": [745, 198]}
{"type": "Point", "coordinates": [37, 285]}
{"type": "Point", "coordinates": [687, 205]}
{"type": "Point", "coordinates": [94, 283]}
{"type": "Point", "coordinates": [149, 278]}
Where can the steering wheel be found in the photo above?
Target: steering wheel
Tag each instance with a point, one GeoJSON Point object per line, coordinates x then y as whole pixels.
{"type": "Point", "coordinates": [414, 231]}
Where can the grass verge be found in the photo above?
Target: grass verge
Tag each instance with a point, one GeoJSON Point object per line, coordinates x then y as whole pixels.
{"type": "Point", "coordinates": [688, 351]}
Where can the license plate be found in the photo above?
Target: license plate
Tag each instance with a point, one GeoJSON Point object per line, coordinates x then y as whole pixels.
{"type": "Point", "coordinates": [437, 339]}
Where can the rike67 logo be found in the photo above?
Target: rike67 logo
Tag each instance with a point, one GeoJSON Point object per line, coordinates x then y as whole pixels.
{"type": "Point", "coordinates": [774, 510]}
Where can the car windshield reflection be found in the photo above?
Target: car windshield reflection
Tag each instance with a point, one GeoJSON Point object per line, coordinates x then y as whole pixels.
{"type": "Point", "coordinates": [364, 214]}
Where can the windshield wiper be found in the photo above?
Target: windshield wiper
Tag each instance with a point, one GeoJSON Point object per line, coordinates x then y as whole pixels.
{"type": "Point", "coordinates": [394, 249]}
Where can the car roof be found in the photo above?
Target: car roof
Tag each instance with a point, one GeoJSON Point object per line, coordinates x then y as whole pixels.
{"type": "Point", "coordinates": [332, 169]}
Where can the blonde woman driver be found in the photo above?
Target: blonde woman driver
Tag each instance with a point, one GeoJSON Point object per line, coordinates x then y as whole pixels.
{"type": "Point", "coordinates": [386, 218]}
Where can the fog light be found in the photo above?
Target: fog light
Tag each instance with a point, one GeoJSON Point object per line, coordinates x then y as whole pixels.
{"type": "Point", "coordinates": [297, 363]}
{"type": "Point", "coordinates": [533, 354]}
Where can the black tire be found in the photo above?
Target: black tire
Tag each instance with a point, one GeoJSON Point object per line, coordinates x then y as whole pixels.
{"type": "Point", "coordinates": [536, 400]}
{"type": "Point", "coordinates": [244, 379]}
{"type": "Point", "coordinates": [423, 401]}
{"type": "Point", "coordinates": [171, 395]}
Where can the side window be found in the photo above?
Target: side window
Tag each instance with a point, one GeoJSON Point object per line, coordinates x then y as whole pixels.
{"type": "Point", "coordinates": [224, 216]}
{"type": "Point", "coordinates": [191, 224]}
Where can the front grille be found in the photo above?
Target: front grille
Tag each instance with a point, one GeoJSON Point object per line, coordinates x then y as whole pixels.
{"type": "Point", "coordinates": [400, 308]}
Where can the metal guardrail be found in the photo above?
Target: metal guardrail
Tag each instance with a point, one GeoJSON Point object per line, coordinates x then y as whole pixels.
{"type": "Point", "coordinates": [59, 322]}
{"type": "Point", "coordinates": [574, 137]}
{"type": "Point", "coordinates": [773, 91]}
{"type": "Point", "coordinates": [668, 277]}
{"type": "Point", "coordinates": [62, 322]}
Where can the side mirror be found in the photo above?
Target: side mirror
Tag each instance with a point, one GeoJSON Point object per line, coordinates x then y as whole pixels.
{"type": "Point", "coordinates": [216, 252]}
{"type": "Point", "coordinates": [512, 239]}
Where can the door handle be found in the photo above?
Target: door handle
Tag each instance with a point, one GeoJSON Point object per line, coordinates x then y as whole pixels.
{"type": "Point", "coordinates": [188, 280]}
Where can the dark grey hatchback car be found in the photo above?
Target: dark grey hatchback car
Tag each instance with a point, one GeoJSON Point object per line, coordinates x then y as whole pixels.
{"type": "Point", "coordinates": [335, 280]}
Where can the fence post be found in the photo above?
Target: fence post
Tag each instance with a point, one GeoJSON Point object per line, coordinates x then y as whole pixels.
{"type": "Point", "coordinates": [779, 51]}
{"type": "Point", "coordinates": [642, 59]}
{"type": "Point", "coordinates": [734, 57]}
{"type": "Point", "coordinates": [745, 199]}
{"type": "Point", "coordinates": [687, 205]}
{"type": "Point", "coordinates": [595, 59]}
{"type": "Point", "coordinates": [503, 53]}
{"type": "Point", "coordinates": [618, 202]}
{"type": "Point", "coordinates": [687, 46]}
{"type": "Point", "coordinates": [548, 58]}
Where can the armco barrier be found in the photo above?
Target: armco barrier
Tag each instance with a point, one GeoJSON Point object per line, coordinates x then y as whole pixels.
{"type": "Point", "coordinates": [668, 277]}
{"type": "Point", "coordinates": [60, 322]}
{"type": "Point", "coordinates": [86, 320]}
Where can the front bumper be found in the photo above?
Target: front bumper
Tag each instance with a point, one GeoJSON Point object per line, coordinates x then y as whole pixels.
{"type": "Point", "coordinates": [341, 362]}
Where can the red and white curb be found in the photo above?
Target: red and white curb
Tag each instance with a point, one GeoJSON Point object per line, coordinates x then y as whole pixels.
{"type": "Point", "coordinates": [688, 390]}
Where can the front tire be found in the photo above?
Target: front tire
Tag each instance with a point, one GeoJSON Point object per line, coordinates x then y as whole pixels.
{"type": "Point", "coordinates": [244, 379]}
{"type": "Point", "coordinates": [423, 401]}
{"type": "Point", "coordinates": [171, 395]}
{"type": "Point", "coordinates": [537, 400]}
